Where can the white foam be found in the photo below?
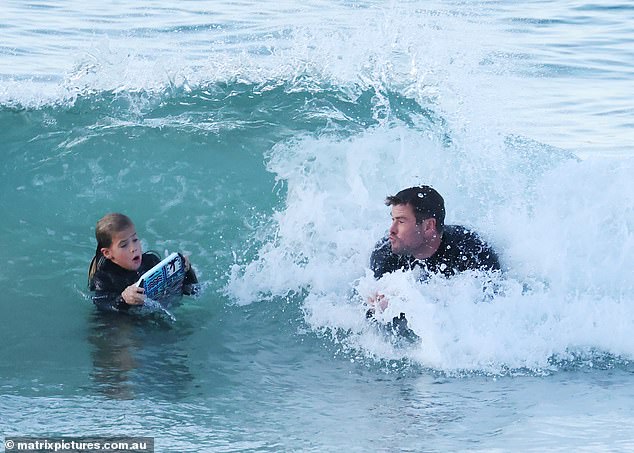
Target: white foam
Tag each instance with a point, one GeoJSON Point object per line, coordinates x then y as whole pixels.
{"type": "Point", "coordinates": [367, 49]}
{"type": "Point", "coordinates": [563, 229]}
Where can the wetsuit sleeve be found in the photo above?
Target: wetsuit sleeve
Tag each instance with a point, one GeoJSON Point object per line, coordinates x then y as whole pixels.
{"type": "Point", "coordinates": [103, 296]}
{"type": "Point", "coordinates": [109, 301]}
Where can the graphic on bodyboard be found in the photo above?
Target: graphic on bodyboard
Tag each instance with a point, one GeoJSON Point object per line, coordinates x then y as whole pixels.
{"type": "Point", "coordinates": [165, 279]}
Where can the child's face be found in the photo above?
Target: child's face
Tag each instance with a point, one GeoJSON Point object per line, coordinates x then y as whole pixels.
{"type": "Point", "coordinates": [125, 250]}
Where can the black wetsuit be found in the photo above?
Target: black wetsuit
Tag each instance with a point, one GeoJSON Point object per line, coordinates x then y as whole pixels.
{"type": "Point", "coordinates": [110, 280]}
{"type": "Point", "coordinates": [460, 250]}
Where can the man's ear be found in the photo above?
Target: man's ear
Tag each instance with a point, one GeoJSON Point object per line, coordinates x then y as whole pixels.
{"type": "Point", "coordinates": [430, 225]}
{"type": "Point", "coordinates": [106, 252]}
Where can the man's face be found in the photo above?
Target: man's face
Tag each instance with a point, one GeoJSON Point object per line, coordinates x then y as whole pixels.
{"type": "Point", "coordinates": [406, 237]}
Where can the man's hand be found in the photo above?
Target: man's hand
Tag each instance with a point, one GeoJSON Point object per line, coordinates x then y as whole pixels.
{"type": "Point", "coordinates": [377, 301]}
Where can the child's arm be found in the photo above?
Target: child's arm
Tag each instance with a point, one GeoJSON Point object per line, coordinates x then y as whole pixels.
{"type": "Point", "coordinates": [109, 301]}
{"type": "Point", "coordinates": [107, 294]}
{"type": "Point", "coordinates": [132, 295]}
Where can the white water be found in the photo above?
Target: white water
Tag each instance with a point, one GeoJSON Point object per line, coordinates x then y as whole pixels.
{"type": "Point", "coordinates": [558, 74]}
{"type": "Point", "coordinates": [564, 229]}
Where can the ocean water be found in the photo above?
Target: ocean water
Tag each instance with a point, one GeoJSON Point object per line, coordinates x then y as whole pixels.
{"type": "Point", "coordinates": [260, 138]}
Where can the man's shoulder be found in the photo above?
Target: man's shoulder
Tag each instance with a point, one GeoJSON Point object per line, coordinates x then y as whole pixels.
{"type": "Point", "coordinates": [458, 231]}
{"type": "Point", "coordinates": [382, 246]}
{"type": "Point", "coordinates": [382, 250]}
{"type": "Point", "coordinates": [474, 250]}
{"type": "Point", "coordinates": [458, 234]}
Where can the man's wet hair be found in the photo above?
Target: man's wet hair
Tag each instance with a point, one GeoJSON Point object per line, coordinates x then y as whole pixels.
{"type": "Point", "coordinates": [426, 202]}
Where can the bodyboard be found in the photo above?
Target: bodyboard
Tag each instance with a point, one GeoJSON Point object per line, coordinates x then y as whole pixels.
{"type": "Point", "coordinates": [165, 279]}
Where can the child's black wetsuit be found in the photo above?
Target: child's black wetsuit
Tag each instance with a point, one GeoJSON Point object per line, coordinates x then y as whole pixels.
{"type": "Point", "coordinates": [110, 280]}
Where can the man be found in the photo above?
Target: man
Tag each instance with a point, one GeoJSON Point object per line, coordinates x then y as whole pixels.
{"type": "Point", "coordinates": [419, 238]}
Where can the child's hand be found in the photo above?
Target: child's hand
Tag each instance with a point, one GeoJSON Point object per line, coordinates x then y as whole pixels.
{"type": "Point", "coordinates": [133, 295]}
{"type": "Point", "coordinates": [188, 265]}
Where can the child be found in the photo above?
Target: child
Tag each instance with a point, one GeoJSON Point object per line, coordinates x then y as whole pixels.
{"type": "Point", "coordinates": [118, 264]}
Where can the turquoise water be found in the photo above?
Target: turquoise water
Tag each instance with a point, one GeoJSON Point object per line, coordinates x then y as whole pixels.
{"type": "Point", "coordinates": [260, 139]}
